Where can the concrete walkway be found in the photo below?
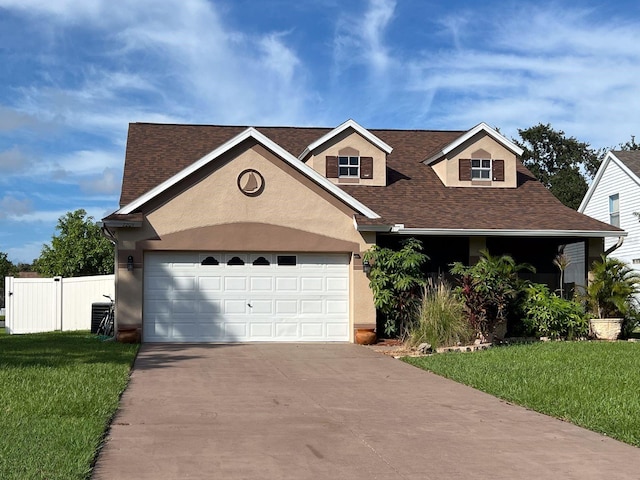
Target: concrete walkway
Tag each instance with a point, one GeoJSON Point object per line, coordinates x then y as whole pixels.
{"type": "Point", "coordinates": [337, 411]}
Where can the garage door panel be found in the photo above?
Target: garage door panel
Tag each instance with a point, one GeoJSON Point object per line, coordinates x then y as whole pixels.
{"type": "Point", "coordinates": [337, 284]}
{"type": "Point", "coordinates": [210, 284]}
{"type": "Point", "coordinates": [236, 331]}
{"type": "Point", "coordinates": [188, 301]}
{"type": "Point", "coordinates": [261, 284]}
{"type": "Point", "coordinates": [235, 306]}
{"type": "Point", "coordinates": [210, 306]}
{"type": "Point", "coordinates": [312, 284]}
{"type": "Point", "coordinates": [235, 284]}
{"type": "Point", "coordinates": [337, 306]}
{"type": "Point", "coordinates": [286, 330]}
{"type": "Point", "coordinates": [261, 307]}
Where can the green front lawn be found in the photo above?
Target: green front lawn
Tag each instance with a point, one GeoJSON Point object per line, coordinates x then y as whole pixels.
{"type": "Point", "coordinates": [58, 392]}
{"type": "Point", "coordinates": [592, 384]}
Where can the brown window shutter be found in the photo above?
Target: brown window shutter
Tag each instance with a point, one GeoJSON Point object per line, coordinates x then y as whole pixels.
{"type": "Point", "coordinates": [366, 167]}
{"type": "Point", "coordinates": [464, 169]}
{"type": "Point", "coordinates": [498, 170]}
{"type": "Point", "coordinates": [332, 167]}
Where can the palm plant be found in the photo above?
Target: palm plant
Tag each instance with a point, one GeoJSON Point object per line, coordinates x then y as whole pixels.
{"type": "Point", "coordinates": [610, 293]}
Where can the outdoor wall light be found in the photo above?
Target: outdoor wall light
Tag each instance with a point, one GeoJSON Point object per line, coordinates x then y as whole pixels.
{"type": "Point", "coordinates": [366, 267]}
{"type": "Point", "coordinates": [130, 263]}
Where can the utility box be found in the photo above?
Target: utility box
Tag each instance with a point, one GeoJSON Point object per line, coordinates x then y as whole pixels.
{"type": "Point", "coordinates": [97, 312]}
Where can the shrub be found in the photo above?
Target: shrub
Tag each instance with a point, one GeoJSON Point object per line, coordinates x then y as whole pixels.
{"type": "Point", "coordinates": [441, 320]}
{"type": "Point", "coordinates": [396, 279]}
{"type": "Point", "coordinates": [549, 315]}
{"type": "Point", "coordinates": [489, 289]}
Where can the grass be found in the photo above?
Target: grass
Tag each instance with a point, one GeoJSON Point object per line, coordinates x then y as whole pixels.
{"type": "Point", "coordinates": [592, 384]}
{"type": "Point", "coordinates": [58, 394]}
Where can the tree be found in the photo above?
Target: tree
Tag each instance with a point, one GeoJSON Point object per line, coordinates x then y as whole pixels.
{"type": "Point", "coordinates": [7, 269]}
{"type": "Point", "coordinates": [79, 249]}
{"type": "Point", "coordinates": [558, 162]}
{"type": "Point", "coordinates": [397, 279]}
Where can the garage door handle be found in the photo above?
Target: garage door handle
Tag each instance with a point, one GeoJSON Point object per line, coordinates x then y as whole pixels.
{"type": "Point", "coordinates": [249, 305]}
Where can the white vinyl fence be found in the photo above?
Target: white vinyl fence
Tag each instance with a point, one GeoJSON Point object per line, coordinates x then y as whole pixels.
{"type": "Point", "coordinates": [48, 304]}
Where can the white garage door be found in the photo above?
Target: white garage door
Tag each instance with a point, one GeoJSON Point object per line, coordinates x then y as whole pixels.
{"type": "Point", "coordinates": [231, 297]}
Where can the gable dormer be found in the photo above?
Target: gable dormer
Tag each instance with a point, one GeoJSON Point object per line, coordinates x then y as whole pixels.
{"type": "Point", "coordinates": [349, 154]}
{"type": "Point", "coordinates": [482, 157]}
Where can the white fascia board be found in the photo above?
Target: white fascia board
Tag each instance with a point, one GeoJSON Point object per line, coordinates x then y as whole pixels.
{"type": "Point", "coordinates": [373, 228]}
{"type": "Point", "coordinates": [474, 131]}
{"type": "Point", "coordinates": [341, 128]}
{"type": "Point", "coordinates": [596, 180]}
{"type": "Point", "coordinates": [458, 232]}
{"type": "Point", "coordinates": [269, 144]}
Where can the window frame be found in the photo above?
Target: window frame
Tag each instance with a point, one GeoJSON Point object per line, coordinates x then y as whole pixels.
{"type": "Point", "coordinates": [349, 166]}
{"type": "Point", "coordinates": [480, 169]}
{"type": "Point", "coordinates": [614, 214]}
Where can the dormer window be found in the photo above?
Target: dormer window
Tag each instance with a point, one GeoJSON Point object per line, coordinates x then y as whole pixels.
{"type": "Point", "coordinates": [480, 169]}
{"type": "Point", "coordinates": [349, 166]}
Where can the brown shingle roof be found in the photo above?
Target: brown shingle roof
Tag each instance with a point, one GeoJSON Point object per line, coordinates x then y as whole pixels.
{"type": "Point", "coordinates": [414, 195]}
{"type": "Point", "coordinates": [631, 158]}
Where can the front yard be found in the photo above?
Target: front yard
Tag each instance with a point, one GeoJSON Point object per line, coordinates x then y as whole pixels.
{"type": "Point", "coordinates": [58, 393]}
{"type": "Point", "coordinates": [592, 384]}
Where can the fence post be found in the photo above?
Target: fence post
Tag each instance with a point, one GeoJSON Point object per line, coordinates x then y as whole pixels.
{"type": "Point", "coordinates": [8, 303]}
{"type": "Point", "coordinates": [58, 303]}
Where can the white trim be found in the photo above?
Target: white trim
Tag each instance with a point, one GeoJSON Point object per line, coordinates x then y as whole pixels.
{"type": "Point", "coordinates": [269, 144]}
{"type": "Point", "coordinates": [474, 131]}
{"type": "Point", "coordinates": [610, 157]}
{"type": "Point", "coordinates": [455, 232]}
{"type": "Point", "coordinates": [341, 128]}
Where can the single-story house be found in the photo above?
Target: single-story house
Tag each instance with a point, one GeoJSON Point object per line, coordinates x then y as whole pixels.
{"type": "Point", "coordinates": [234, 234]}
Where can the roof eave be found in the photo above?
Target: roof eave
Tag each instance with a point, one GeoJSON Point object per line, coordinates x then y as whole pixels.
{"type": "Point", "coordinates": [470, 134]}
{"type": "Point", "coordinates": [455, 232]}
{"type": "Point", "coordinates": [269, 144]}
{"type": "Point", "coordinates": [341, 128]}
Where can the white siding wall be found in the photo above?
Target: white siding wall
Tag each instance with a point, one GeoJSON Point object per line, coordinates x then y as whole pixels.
{"type": "Point", "coordinates": [575, 272]}
{"type": "Point", "coordinates": [616, 180]}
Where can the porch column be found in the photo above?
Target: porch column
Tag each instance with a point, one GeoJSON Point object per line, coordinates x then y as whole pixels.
{"type": "Point", "coordinates": [595, 248]}
{"type": "Point", "coordinates": [476, 244]}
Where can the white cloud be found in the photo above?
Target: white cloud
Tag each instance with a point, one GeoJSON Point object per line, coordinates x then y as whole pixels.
{"type": "Point", "coordinates": [551, 66]}
{"type": "Point", "coordinates": [109, 182]}
{"type": "Point", "coordinates": [12, 207]}
{"type": "Point", "coordinates": [360, 38]}
{"type": "Point", "coordinates": [14, 161]}
{"type": "Point", "coordinates": [11, 119]}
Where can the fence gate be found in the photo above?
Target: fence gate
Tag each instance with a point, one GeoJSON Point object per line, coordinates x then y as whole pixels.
{"type": "Point", "coordinates": [33, 304]}
{"type": "Point", "coordinates": [48, 304]}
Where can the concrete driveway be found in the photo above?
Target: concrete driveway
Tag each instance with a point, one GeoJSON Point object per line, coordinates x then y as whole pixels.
{"type": "Point", "coordinates": [332, 411]}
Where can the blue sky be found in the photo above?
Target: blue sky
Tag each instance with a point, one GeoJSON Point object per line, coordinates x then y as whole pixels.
{"type": "Point", "coordinates": [76, 72]}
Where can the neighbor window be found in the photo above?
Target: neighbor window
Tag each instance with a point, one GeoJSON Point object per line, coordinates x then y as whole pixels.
{"type": "Point", "coordinates": [349, 166]}
{"type": "Point", "coordinates": [614, 210]}
{"type": "Point", "coordinates": [480, 169]}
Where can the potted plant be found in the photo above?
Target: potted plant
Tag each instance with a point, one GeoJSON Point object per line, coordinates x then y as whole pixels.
{"type": "Point", "coordinates": [610, 296]}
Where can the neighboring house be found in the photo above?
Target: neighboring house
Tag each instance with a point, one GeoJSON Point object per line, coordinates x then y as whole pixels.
{"type": "Point", "coordinates": [613, 197]}
{"type": "Point", "coordinates": [228, 233]}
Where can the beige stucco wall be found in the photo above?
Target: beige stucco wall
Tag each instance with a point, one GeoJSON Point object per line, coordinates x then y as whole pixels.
{"type": "Point", "coordinates": [341, 145]}
{"type": "Point", "coordinates": [448, 168]}
{"type": "Point", "coordinates": [208, 212]}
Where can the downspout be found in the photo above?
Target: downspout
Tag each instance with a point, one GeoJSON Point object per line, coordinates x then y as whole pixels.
{"type": "Point", "coordinates": [615, 247]}
{"type": "Point", "coordinates": [108, 234]}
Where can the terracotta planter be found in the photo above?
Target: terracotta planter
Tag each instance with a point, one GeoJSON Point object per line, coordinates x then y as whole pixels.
{"type": "Point", "coordinates": [605, 328]}
{"type": "Point", "coordinates": [365, 336]}
{"type": "Point", "coordinates": [128, 335]}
